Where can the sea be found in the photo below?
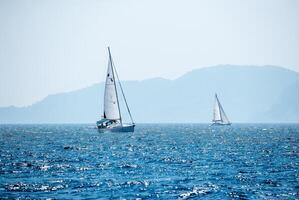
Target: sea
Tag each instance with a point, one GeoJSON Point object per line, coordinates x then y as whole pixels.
{"type": "Point", "coordinates": [157, 161]}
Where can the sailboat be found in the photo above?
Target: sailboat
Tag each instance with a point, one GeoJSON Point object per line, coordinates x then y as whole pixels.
{"type": "Point", "coordinates": [219, 116]}
{"type": "Point", "coordinates": [112, 119]}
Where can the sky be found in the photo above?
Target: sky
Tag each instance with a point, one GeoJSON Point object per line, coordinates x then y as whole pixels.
{"type": "Point", "coordinates": [53, 46]}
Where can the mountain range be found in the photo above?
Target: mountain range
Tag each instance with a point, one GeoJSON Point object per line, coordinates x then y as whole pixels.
{"type": "Point", "coordinates": [249, 94]}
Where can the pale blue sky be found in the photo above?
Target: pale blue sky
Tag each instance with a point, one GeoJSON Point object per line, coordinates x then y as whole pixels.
{"type": "Point", "coordinates": [52, 46]}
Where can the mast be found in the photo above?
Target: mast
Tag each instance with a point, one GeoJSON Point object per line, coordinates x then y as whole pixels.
{"type": "Point", "coordinates": [112, 66]}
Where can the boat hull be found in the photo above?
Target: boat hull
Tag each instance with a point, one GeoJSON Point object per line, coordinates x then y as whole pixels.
{"type": "Point", "coordinates": [120, 128]}
{"type": "Point", "coordinates": [221, 124]}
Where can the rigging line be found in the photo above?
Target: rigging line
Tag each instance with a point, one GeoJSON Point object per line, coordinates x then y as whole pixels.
{"type": "Point", "coordinates": [122, 91]}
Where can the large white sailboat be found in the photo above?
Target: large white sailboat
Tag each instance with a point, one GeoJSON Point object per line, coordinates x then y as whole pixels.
{"type": "Point", "coordinates": [112, 119]}
{"type": "Point", "coordinates": [219, 116]}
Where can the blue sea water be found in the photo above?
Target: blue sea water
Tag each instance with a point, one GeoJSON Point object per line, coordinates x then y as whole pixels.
{"type": "Point", "coordinates": [157, 161]}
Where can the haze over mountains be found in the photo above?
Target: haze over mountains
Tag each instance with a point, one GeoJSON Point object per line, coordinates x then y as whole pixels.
{"type": "Point", "coordinates": [247, 93]}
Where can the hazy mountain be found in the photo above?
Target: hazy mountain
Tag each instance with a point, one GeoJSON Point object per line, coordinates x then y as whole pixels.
{"type": "Point", "coordinates": [247, 93]}
{"type": "Point", "coordinates": [286, 109]}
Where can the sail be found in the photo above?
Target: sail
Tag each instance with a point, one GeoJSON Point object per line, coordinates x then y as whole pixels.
{"type": "Point", "coordinates": [223, 115]}
{"type": "Point", "coordinates": [216, 110]}
{"type": "Point", "coordinates": [111, 106]}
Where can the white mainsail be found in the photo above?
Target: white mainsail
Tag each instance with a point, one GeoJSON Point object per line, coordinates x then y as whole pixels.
{"type": "Point", "coordinates": [111, 105]}
{"type": "Point", "coordinates": [219, 115]}
{"type": "Point", "coordinates": [216, 110]}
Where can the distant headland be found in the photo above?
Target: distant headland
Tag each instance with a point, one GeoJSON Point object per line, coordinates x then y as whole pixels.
{"type": "Point", "coordinates": [253, 94]}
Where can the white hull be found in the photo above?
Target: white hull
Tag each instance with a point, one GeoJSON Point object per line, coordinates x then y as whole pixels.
{"type": "Point", "coordinates": [220, 124]}
{"type": "Point", "coordinates": [119, 128]}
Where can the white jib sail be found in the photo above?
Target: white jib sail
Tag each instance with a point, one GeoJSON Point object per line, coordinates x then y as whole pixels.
{"type": "Point", "coordinates": [223, 115]}
{"type": "Point", "coordinates": [111, 109]}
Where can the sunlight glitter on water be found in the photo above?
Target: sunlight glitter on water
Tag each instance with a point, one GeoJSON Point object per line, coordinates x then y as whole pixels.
{"type": "Point", "coordinates": [165, 161]}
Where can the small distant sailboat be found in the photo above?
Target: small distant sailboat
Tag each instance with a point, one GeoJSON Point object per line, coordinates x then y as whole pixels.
{"type": "Point", "coordinates": [219, 116]}
{"type": "Point", "coordinates": [112, 119]}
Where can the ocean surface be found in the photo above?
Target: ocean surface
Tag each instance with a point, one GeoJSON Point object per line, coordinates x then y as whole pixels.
{"type": "Point", "coordinates": [157, 161]}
